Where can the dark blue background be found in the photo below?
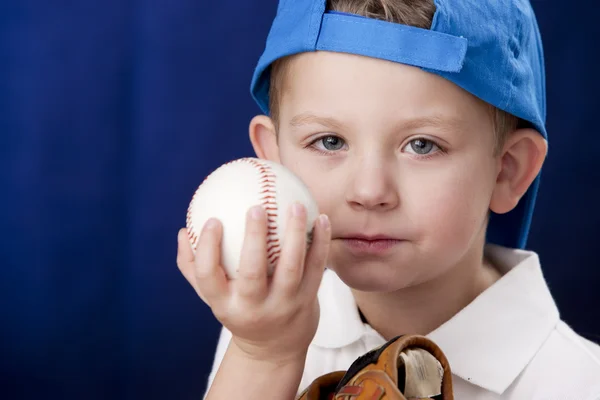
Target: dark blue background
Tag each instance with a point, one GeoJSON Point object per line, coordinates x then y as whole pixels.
{"type": "Point", "coordinates": [112, 112]}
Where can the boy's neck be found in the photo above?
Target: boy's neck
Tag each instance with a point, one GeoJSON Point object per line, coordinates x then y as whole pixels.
{"type": "Point", "coordinates": [423, 308]}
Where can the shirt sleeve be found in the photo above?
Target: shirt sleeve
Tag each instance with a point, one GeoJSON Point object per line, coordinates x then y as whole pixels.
{"type": "Point", "coordinates": [222, 344]}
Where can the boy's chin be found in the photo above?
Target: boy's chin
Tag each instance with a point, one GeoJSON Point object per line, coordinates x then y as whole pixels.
{"type": "Point", "coordinates": [375, 277]}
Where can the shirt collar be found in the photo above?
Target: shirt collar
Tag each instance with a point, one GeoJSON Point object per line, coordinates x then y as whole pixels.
{"type": "Point", "coordinates": [339, 323]}
{"type": "Point", "coordinates": [487, 352]}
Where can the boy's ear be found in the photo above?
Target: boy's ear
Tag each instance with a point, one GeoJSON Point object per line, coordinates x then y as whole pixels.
{"type": "Point", "coordinates": [263, 137]}
{"type": "Point", "coordinates": [519, 163]}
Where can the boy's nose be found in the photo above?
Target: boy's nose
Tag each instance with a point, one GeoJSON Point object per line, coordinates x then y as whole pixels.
{"type": "Point", "coordinates": [372, 188]}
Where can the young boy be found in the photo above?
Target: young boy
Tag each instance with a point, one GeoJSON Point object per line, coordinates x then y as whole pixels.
{"type": "Point", "coordinates": [418, 126]}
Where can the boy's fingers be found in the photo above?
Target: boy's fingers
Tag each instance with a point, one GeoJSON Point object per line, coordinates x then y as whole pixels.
{"type": "Point", "coordinates": [209, 276]}
{"type": "Point", "coordinates": [186, 260]}
{"type": "Point", "coordinates": [316, 258]}
{"type": "Point", "coordinates": [251, 281]}
{"type": "Point", "coordinates": [185, 257]}
{"type": "Point", "coordinates": [290, 268]}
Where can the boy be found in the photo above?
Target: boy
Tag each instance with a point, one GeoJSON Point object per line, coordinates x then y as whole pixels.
{"type": "Point", "coordinates": [418, 126]}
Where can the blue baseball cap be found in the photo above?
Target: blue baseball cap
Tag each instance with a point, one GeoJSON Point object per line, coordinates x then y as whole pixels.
{"type": "Point", "coordinates": [490, 48]}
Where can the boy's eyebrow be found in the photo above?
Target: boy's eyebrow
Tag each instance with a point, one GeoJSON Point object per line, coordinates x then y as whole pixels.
{"type": "Point", "coordinates": [308, 118]}
{"type": "Point", "coordinates": [444, 122]}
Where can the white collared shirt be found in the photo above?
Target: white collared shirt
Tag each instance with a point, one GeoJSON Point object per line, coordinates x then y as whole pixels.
{"type": "Point", "coordinates": [509, 343]}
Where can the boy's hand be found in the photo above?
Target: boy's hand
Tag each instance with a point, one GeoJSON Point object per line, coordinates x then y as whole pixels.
{"type": "Point", "coordinates": [271, 318]}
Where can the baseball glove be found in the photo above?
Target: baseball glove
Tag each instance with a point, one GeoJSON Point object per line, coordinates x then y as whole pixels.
{"type": "Point", "coordinates": [409, 367]}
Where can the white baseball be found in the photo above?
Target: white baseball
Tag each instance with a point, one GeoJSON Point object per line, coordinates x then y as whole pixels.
{"type": "Point", "coordinates": [232, 189]}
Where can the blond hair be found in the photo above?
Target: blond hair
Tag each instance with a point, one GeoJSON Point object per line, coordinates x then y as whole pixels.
{"type": "Point", "coordinates": [418, 13]}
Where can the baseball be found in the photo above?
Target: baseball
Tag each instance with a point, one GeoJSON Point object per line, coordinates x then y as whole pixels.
{"type": "Point", "coordinates": [232, 189]}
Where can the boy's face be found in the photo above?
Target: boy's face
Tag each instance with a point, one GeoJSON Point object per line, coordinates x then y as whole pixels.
{"type": "Point", "coordinates": [389, 151]}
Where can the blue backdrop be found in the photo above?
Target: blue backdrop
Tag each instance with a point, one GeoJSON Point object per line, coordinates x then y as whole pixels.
{"type": "Point", "coordinates": [112, 112]}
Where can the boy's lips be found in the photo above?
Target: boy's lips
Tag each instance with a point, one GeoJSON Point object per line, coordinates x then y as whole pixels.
{"type": "Point", "coordinates": [370, 238]}
{"type": "Point", "coordinates": [361, 244]}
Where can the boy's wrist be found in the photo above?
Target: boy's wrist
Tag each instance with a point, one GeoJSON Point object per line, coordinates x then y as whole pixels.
{"type": "Point", "coordinates": [255, 374]}
{"type": "Point", "coordinates": [268, 359]}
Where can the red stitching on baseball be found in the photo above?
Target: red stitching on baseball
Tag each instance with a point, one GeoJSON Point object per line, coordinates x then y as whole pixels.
{"type": "Point", "coordinates": [268, 199]}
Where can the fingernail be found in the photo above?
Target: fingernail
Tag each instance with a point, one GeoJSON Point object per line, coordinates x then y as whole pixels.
{"type": "Point", "coordinates": [297, 210]}
{"type": "Point", "coordinates": [256, 212]}
{"type": "Point", "coordinates": [324, 221]}
{"type": "Point", "coordinates": [210, 224]}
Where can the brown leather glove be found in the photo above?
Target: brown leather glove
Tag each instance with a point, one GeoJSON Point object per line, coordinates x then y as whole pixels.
{"type": "Point", "coordinates": [409, 367]}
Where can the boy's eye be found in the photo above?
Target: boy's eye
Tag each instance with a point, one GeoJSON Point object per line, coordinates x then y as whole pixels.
{"type": "Point", "coordinates": [421, 146]}
{"type": "Point", "coordinates": [329, 143]}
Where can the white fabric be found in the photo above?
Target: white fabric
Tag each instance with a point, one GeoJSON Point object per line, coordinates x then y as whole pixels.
{"type": "Point", "coordinates": [509, 343]}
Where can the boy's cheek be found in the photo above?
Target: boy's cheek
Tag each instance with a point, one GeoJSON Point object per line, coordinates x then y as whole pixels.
{"type": "Point", "coordinates": [323, 186]}
{"type": "Point", "coordinates": [450, 215]}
